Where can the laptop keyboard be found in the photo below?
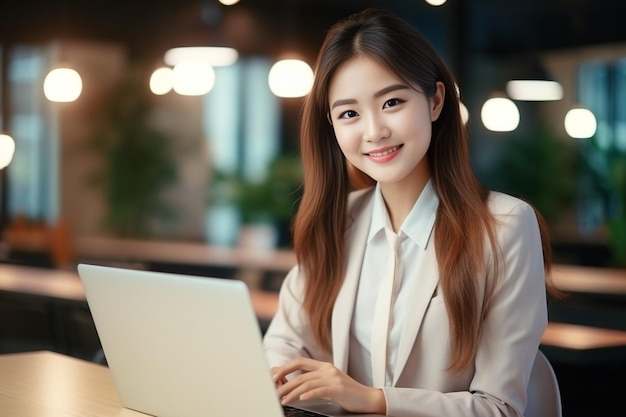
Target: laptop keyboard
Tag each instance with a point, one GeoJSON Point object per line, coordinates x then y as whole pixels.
{"type": "Point", "coordinates": [289, 411]}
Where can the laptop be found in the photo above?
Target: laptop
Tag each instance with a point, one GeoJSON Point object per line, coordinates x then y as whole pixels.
{"type": "Point", "coordinates": [185, 346]}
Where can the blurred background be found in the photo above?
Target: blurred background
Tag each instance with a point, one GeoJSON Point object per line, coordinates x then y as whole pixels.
{"type": "Point", "coordinates": [164, 134]}
{"type": "Point", "coordinates": [134, 155]}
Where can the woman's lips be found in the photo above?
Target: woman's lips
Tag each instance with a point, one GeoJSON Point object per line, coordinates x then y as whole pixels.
{"type": "Point", "coordinates": [385, 154]}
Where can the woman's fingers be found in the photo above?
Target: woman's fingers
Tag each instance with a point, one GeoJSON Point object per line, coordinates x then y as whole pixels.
{"type": "Point", "coordinates": [278, 380]}
{"type": "Point", "coordinates": [300, 364]}
{"type": "Point", "coordinates": [299, 388]}
{"type": "Point", "coordinates": [304, 365]}
{"type": "Point", "coordinates": [323, 380]}
{"type": "Point", "coordinates": [318, 379]}
{"type": "Point", "coordinates": [312, 372]}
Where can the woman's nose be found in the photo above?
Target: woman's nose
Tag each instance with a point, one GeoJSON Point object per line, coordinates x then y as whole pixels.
{"type": "Point", "coordinates": [375, 129]}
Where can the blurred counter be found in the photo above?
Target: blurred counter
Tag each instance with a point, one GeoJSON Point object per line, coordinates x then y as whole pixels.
{"type": "Point", "coordinates": [274, 260]}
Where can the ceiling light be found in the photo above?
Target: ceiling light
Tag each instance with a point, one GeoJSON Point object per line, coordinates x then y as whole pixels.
{"type": "Point", "coordinates": [193, 78]}
{"type": "Point", "coordinates": [290, 78]}
{"type": "Point", "coordinates": [7, 149]}
{"type": "Point", "coordinates": [162, 81]}
{"type": "Point", "coordinates": [580, 123]}
{"type": "Point", "coordinates": [534, 90]}
{"type": "Point", "coordinates": [500, 114]}
{"type": "Point", "coordinates": [212, 55]}
{"type": "Point", "coordinates": [62, 85]}
{"type": "Point", "coordinates": [436, 2]}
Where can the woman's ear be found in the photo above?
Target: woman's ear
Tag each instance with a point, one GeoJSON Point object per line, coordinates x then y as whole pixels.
{"type": "Point", "coordinates": [436, 101]}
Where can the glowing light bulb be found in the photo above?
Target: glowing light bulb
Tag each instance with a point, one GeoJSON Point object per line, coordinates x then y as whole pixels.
{"type": "Point", "coordinates": [580, 123]}
{"type": "Point", "coordinates": [500, 114]}
{"type": "Point", "coordinates": [7, 149]}
{"type": "Point", "coordinates": [290, 78]}
{"type": "Point", "coordinates": [534, 90]}
{"type": "Point", "coordinates": [436, 2]}
{"type": "Point", "coordinates": [193, 78]}
{"type": "Point", "coordinates": [62, 85]}
{"type": "Point", "coordinates": [162, 81]}
{"type": "Point", "coordinates": [216, 56]}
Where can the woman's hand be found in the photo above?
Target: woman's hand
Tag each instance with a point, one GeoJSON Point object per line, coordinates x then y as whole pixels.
{"type": "Point", "coordinates": [324, 380]}
{"type": "Point", "coordinates": [278, 380]}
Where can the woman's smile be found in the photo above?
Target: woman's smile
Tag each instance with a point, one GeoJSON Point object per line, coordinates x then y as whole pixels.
{"type": "Point", "coordinates": [384, 154]}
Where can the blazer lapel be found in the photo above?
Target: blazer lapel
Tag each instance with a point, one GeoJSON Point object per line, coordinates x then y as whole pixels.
{"type": "Point", "coordinates": [356, 239]}
{"type": "Point", "coordinates": [425, 286]}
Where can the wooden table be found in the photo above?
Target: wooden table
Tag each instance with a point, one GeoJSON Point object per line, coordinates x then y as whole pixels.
{"type": "Point", "coordinates": [573, 336]}
{"type": "Point", "coordinates": [60, 296]}
{"type": "Point", "coordinates": [245, 262]}
{"type": "Point", "coordinates": [590, 280]}
{"type": "Point", "coordinates": [39, 384]}
{"type": "Point", "coordinates": [66, 285]}
{"type": "Point", "coordinates": [49, 283]}
{"type": "Point", "coordinates": [239, 257]}
{"type": "Point", "coordinates": [578, 344]}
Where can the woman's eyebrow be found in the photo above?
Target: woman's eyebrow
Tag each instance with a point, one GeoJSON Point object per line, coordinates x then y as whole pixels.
{"type": "Point", "coordinates": [390, 89]}
{"type": "Point", "coordinates": [342, 102]}
{"type": "Point", "coordinates": [377, 94]}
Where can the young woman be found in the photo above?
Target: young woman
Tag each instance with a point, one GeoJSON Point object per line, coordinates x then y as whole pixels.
{"type": "Point", "coordinates": [417, 292]}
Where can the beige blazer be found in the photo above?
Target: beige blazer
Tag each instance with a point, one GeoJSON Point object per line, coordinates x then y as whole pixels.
{"type": "Point", "coordinates": [496, 383]}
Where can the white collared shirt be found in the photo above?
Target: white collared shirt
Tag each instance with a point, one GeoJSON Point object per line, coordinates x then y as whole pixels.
{"type": "Point", "coordinates": [414, 233]}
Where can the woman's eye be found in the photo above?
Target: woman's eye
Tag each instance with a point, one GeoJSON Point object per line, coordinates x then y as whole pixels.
{"type": "Point", "coordinates": [348, 114]}
{"type": "Point", "coordinates": [392, 102]}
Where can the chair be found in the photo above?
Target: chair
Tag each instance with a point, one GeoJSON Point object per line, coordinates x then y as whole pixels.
{"type": "Point", "coordinates": [544, 396]}
{"type": "Point", "coordinates": [40, 244]}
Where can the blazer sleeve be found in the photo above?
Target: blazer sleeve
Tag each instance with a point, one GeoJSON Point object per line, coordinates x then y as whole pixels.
{"type": "Point", "coordinates": [288, 335]}
{"type": "Point", "coordinates": [511, 332]}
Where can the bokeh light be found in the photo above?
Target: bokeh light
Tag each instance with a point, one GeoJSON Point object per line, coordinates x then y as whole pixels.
{"type": "Point", "coordinates": [193, 78]}
{"type": "Point", "coordinates": [580, 123]}
{"type": "Point", "coordinates": [290, 78]}
{"type": "Point", "coordinates": [534, 90]}
{"type": "Point", "coordinates": [7, 149]}
{"type": "Point", "coordinates": [162, 81]}
{"type": "Point", "coordinates": [62, 85]}
{"type": "Point", "coordinates": [500, 114]}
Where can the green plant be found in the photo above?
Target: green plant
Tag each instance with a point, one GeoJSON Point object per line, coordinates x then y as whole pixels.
{"type": "Point", "coordinates": [606, 167]}
{"type": "Point", "coordinates": [137, 164]}
{"type": "Point", "coordinates": [539, 168]}
{"type": "Point", "coordinates": [273, 199]}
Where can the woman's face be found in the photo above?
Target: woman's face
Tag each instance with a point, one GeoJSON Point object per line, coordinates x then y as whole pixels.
{"type": "Point", "coordinates": [383, 125]}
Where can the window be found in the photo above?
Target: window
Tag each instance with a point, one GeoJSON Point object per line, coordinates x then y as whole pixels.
{"type": "Point", "coordinates": [33, 177]}
{"type": "Point", "coordinates": [602, 89]}
{"type": "Point", "coordinates": [242, 124]}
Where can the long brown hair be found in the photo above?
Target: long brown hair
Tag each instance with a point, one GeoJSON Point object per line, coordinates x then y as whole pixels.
{"type": "Point", "coordinates": [463, 217]}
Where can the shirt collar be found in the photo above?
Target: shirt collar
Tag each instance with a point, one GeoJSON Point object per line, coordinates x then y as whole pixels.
{"type": "Point", "coordinates": [380, 217]}
{"type": "Point", "coordinates": [418, 225]}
